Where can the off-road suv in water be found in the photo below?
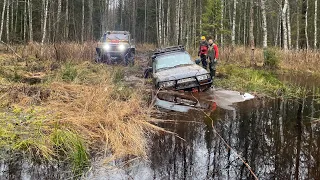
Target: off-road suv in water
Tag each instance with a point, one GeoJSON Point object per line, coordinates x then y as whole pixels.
{"type": "Point", "coordinates": [173, 69]}
{"type": "Point", "coordinates": [116, 47]}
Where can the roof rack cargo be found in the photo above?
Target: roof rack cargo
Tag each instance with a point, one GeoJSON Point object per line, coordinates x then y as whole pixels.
{"type": "Point", "coordinates": [117, 32]}
{"type": "Point", "coordinates": [169, 49]}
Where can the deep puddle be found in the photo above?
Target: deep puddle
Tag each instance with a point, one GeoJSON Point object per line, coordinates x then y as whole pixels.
{"type": "Point", "coordinates": [275, 137]}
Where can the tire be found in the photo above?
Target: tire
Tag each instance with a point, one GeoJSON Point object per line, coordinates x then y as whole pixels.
{"type": "Point", "coordinates": [129, 59]}
{"type": "Point", "coordinates": [106, 59]}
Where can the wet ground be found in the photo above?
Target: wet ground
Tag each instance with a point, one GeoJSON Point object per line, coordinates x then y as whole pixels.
{"type": "Point", "coordinates": [275, 137]}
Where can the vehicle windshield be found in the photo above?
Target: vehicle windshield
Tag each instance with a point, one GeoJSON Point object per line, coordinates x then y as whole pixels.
{"type": "Point", "coordinates": [124, 37]}
{"type": "Point", "coordinates": [173, 60]}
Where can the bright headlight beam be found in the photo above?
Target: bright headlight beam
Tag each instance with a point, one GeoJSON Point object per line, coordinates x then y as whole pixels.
{"type": "Point", "coordinates": [121, 47]}
{"type": "Point", "coordinates": [106, 47]}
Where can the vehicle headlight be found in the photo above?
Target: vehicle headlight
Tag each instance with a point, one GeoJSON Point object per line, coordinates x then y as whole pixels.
{"type": "Point", "coordinates": [121, 47]}
{"type": "Point", "coordinates": [106, 47]}
{"type": "Point", "coordinates": [167, 84]}
{"type": "Point", "coordinates": [203, 77]}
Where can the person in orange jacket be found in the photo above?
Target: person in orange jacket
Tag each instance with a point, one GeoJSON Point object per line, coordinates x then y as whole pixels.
{"type": "Point", "coordinates": [213, 55]}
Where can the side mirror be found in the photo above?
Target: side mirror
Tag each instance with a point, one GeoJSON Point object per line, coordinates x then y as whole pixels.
{"type": "Point", "coordinates": [197, 61]}
{"type": "Point", "coordinates": [153, 57]}
{"type": "Point", "coordinates": [148, 72]}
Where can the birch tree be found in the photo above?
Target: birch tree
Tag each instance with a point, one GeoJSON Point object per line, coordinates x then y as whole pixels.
{"type": "Point", "coordinates": [30, 20]}
{"type": "Point", "coordinates": [252, 62]}
{"type": "Point", "coordinates": [306, 24]}
{"type": "Point", "coordinates": [57, 30]}
{"type": "Point", "coordinates": [45, 17]}
{"type": "Point", "coordinates": [233, 34]}
{"type": "Point", "coordinates": [289, 27]}
{"type": "Point", "coordinates": [284, 25]}
{"type": "Point", "coordinates": [82, 23]}
{"type": "Point", "coordinates": [315, 24]}
{"type": "Point", "coordinates": [2, 18]}
{"type": "Point", "coordinates": [7, 21]}
{"type": "Point", "coordinates": [66, 22]}
{"type": "Point", "coordinates": [222, 25]}
{"type": "Point", "coordinates": [264, 24]}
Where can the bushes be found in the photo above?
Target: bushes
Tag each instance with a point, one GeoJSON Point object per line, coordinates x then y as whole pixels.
{"type": "Point", "coordinates": [271, 59]}
{"type": "Point", "coordinates": [69, 73]}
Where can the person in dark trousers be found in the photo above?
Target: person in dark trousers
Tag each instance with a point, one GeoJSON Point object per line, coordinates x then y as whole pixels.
{"type": "Point", "coordinates": [213, 55]}
{"type": "Point", "coordinates": [203, 51]}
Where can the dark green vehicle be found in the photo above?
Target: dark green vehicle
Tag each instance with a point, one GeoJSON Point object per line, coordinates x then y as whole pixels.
{"type": "Point", "coordinates": [116, 47]}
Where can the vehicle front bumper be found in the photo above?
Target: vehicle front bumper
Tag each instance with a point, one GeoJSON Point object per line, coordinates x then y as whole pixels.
{"type": "Point", "coordinates": [192, 86]}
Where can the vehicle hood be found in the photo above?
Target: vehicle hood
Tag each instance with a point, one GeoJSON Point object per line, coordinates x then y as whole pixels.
{"type": "Point", "coordinates": [180, 73]}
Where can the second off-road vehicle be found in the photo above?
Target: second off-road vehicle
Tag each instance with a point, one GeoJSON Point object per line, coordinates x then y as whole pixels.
{"type": "Point", "coordinates": [116, 47]}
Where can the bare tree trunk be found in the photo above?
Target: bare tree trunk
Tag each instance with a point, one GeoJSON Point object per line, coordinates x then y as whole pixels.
{"type": "Point", "coordinates": [221, 23]}
{"type": "Point", "coordinates": [25, 21]}
{"type": "Point", "coordinates": [134, 16]}
{"type": "Point", "coordinates": [252, 62]}
{"type": "Point", "coordinates": [298, 25]}
{"type": "Point", "coordinates": [168, 24]}
{"type": "Point", "coordinates": [264, 24]}
{"type": "Point", "coordinates": [306, 25]}
{"type": "Point", "coordinates": [195, 24]}
{"type": "Point", "coordinates": [44, 30]}
{"type": "Point", "coordinates": [90, 33]}
{"type": "Point", "coordinates": [157, 22]}
{"type": "Point", "coordinates": [289, 27]}
{"type": "Point", "coordinates": [66, 24]}
{"type": "Point", "coordinates": [284, 25]}
{"type": "Point", "coordinates": [245, 24]}
{"type": "Point", "coordinates": [30, 21]}
{"type": "Point", "coordinates": [2, 18]}
{"type": "Point", "coordinates": [200, 19]}
{"type": "Point", "coordinates": [315, 24]}
{"type": "Point", "coordinates": [160, 22]}
{"type": "Point", "coordinates": [7, 22]}
{"type": "Point", "coordinates": [145, 22]}
{"type": "Point", "coordinates": [177, 20]}
{"type": "Point", "coordinates": [42, 13]}
{"type": "Point", "coordinates": [57, 31]}
{"type": "Point", "coordinates": [82, 23]}
{"type": "Point", "coordinates": [16, 18]}
{"type": "Point", "coordinates": [233, 33]}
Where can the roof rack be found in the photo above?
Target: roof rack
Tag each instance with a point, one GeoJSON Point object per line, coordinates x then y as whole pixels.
{"type": "Point", "coordinates": [169, 49]}
{"type": "Point", "coordinates": [117, 32]}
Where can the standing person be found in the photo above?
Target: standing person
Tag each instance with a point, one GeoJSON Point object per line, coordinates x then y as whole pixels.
{"type": "Point", "coordinates": [213, 55]}
{"type": "Point", "coordinates": [203, 51]}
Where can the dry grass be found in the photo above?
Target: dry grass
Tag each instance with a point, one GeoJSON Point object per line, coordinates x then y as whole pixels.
{"type": "Point", "coordinates": [102, 119]}
{"type": "Point", "coordinates": [84, 108]}
{"type": "Point", "coordinates": [302, 60]}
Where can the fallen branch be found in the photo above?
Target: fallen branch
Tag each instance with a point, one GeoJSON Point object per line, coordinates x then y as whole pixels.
{"type": "Point", "coordinates": [13, 51]}
{"type": "Point", "coordinates": [225, 142]}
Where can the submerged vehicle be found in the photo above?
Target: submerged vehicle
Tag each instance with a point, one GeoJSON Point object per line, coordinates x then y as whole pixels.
{"type": "Point", "coordinates": [116, 47]}
{"type": "Point", "coordinates": [173, 69]}
{"type": "Point", "coordinates": [183, 102]}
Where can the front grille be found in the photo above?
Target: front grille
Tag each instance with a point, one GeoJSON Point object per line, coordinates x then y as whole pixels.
{"type": "Point", "coordinates": [114, 48]}
{"type": "Point", "coordinates": [187, 83]}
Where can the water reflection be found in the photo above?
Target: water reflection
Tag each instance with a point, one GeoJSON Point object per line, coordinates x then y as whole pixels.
{"type": "Point", "coordinates": [275, 137]}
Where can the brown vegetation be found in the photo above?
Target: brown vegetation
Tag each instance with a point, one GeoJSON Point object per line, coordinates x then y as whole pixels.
{"type": "Point", "coordinates": [298, 60]}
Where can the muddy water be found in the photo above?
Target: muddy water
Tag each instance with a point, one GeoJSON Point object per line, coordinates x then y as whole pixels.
{"type": "Point", "coordinates": [275, 137]}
